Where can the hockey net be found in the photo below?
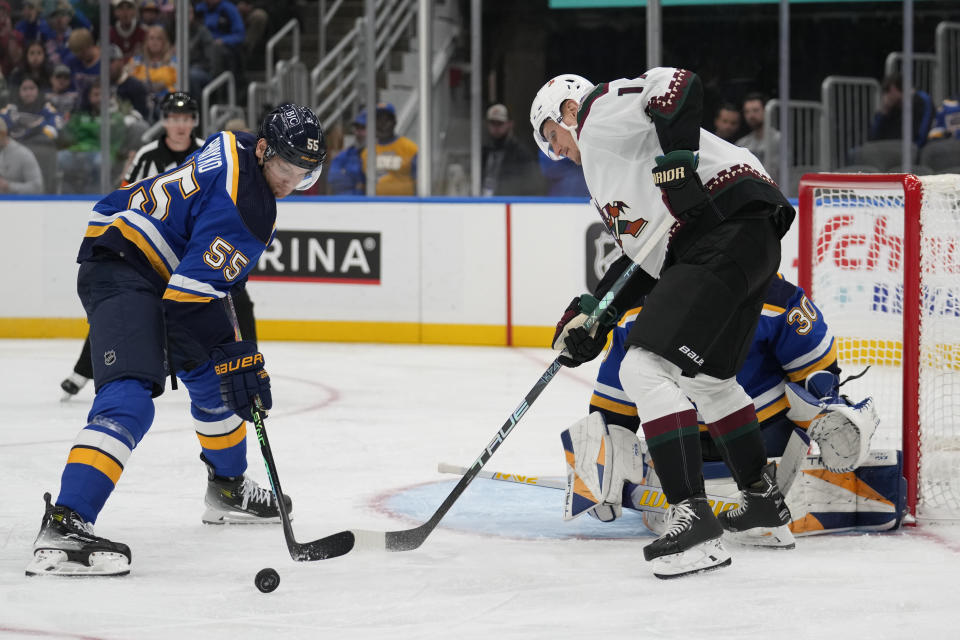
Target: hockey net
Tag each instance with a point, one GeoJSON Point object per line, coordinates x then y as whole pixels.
{"type": "Point", "coordinates": [880, 255]}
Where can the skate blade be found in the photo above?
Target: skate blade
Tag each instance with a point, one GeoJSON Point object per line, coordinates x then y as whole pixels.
{"type": "Point", "coordinates": [53, 562]}
{"type": "Point", "coordinates": [219, 516]}
{"type": "Point", "coordinates": [705, 556]}
{"type": "Point", "coordinates": [766, 537]}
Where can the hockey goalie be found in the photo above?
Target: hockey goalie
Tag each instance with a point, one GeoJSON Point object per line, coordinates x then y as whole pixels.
{"type": "Point", "coordinates": [831, 479]}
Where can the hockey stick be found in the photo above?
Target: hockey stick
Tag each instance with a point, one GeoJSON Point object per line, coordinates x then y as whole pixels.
{"type": "Point", "coordinates": [344, 542]}
{"type": "Point", "coordinates": [300, 552]}
{"type": "Point", "coordinates": [341, 543]}
{"type": "Point", "coordinates": [638, 497]}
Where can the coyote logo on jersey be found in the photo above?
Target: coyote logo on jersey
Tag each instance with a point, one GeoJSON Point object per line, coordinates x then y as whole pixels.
{"type": "Point", "coordinates": [611, 213]}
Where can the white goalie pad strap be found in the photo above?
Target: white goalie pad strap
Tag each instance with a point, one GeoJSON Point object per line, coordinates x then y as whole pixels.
{"type": "Point", "coordinates": [600, 459]}
{"type": "Point", "coordinates": [577, 321]}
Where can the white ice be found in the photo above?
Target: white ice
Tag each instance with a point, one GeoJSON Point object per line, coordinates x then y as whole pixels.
{"type": "Point", "coordinates": [356, 424]}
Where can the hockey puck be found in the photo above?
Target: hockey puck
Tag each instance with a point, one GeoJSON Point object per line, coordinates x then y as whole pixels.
{"type": "Point", "coordinates": [267, 580]}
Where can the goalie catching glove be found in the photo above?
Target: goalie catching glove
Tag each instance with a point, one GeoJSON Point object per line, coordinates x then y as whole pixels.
{"type": "Point", "coordinates": [840, 428]}
{"type": "Point", "coordinates": [680, 186]}
{"type": "Point", "coordinates": [578, 344]}
{"type": "Point", "coordinates": [600, 459]}
{"type": "Point", "coordinates": [242, 377]}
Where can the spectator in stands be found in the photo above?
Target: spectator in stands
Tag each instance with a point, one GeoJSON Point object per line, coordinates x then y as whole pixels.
{"type": "Point", "coordinates": [61, 95]}
{"type": "Point", "coordinates": [34, 66]}
{"type": "Point", "coordinates": [19, 171]}
{"type": "Point", "coordinates": [6, 26]}
{"type": "Point", "coordinates": [12, 54]}
{"type": "Point", "coordinates": [62, 21]}
{"type": "Point", "coordinates": [255, 20]}
{"type": "Point", "coordinates": [887, 122]}
{"type": "Point", "coordinates": [224, 23]}
{"type": "Point", "coordinates": [396, 159]}
{"type": "Point", "coordinates": [201, 54]}
{"type": "Point", "coordinates": [126, 31]}
{"type": "Point", "coordinates": [32, 26]}
{"type": "Point", "coordinates": [80, 160]}
{"type": "Point", "coordinates": [35, 123]}
{"type": "Point", "coordinates": [346, 174]}
{"type": "Point", "coordinates": [509, 169]}
{"type": "Point", "coordinates": [564, 178]}
{"type": "Point", "coordinates": [753, 115]}
{"type": "Point", "coordinates": [127, 88]}
{"type": "Point", "coordinates": [84, 61]}
{"type": "Point", "coordinates": [946, 124]}
{"type": "Point", "coordinates": [726, 124]}
{"type": "Point", "coordinates": [30, 118]}
{"type": "Point", "coordinates": [396, 156]}
{"type": "Point", "coordinates": [150, 15]}
{"type": "Point", "coordinates": [157, 67]}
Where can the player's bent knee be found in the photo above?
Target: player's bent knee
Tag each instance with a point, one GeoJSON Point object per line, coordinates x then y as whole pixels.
{"type": "Point", "coordinates": [715, 398]}
{"type": "Point", "coordinates": [125, 404]}
{"type": "Point", "coordinates": [651, 383]}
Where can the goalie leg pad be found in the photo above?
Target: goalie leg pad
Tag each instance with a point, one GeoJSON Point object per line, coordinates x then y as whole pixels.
{"type": "Point", "coordinates": [600, 459]}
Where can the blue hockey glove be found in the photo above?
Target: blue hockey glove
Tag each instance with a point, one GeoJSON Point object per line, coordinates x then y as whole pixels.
{"type": "Point", "coordinates": [242, 377]}
{"type": "Point", "coordinates": [682, 190]}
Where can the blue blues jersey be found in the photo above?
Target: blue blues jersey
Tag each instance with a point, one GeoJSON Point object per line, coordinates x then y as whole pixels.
{"type": "Point", "coordinates": [193, 231]}
{"type": "Point", "coordinates": [792, 340]}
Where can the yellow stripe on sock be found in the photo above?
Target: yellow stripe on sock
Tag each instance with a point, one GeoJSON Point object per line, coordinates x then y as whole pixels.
{"type": "Point", "coordinates": [96, 459]}
{"type": "Point", "coordinates": [224, 441]}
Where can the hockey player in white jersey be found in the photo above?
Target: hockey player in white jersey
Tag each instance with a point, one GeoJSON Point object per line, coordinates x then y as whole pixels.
{"type": "Point", "coordinates": [645, 158]}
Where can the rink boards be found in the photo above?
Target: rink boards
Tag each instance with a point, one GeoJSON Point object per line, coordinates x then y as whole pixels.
{"type": "Point", "coordinates": [410, 270]}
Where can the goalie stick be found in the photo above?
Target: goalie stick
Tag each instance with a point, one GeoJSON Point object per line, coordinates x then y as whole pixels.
{"type": "Point", "coordinates": [344, 542]}
{"type": "Point", "coordinates": [649, 497]}
{"type": "Point", "coordinates": [639, 497]}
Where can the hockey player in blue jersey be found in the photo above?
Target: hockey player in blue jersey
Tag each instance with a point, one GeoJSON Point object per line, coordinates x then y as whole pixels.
{"type": "Point", "coordinates": [790, 371]}
{"type": "Point", "coordinates": [156, 263]}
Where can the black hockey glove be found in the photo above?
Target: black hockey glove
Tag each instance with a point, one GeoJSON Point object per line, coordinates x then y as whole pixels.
{"type": "Point", "coordinates": [580, 345]}
{"type": "Point", "coordinates": [682, 190]}
{"type": "Point", "coordinates": [242, 377]}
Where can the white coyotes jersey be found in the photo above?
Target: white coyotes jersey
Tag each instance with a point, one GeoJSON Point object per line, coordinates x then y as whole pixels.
{"type": "Point", "coordinates": [618, 144]}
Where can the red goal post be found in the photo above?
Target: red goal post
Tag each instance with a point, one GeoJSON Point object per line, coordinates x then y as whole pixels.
{"type": "Point", "coordinates": [880, 255]}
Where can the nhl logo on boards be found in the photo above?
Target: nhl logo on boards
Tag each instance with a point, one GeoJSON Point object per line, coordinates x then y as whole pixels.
{"type": "Point", "coordinates": [602, 251]}
{"type": "Point", "coordinates": [109, 357]}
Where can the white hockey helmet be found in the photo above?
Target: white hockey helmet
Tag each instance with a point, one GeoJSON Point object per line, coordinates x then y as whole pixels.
{"type": "Point", "coordinates": [548, 101]}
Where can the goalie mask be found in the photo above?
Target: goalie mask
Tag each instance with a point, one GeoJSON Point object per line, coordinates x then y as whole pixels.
{"type": "Point", "coordinates": [546, 105]}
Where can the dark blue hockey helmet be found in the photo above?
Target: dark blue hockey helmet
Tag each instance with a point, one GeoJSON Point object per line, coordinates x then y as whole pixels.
{"type": "Point", "coordinates": [294, 134]}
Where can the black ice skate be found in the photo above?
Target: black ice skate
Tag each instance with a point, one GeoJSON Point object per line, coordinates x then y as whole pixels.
{"type": "Point", "coordinates": [72, 384]}
{"type": "Point", "coordinates": [762, 519]}
{"type": "Point", "coordinates": [691, 542]}
{"type": "Point", "coordinates": [66, 546]}
{"type": "Point", "coordinates": [239, 500]}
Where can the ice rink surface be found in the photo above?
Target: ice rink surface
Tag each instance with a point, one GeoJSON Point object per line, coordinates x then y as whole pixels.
{"type": "Point", "coordinates": [357, 433]}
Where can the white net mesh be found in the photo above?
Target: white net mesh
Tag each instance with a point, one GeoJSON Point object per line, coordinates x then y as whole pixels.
{"type": "Point", "coordinates": [857, 255]}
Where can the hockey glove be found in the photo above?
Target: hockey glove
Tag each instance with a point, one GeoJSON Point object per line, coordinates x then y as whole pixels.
{"type": "Point", "coordinates": [580, 345]}
{"type": "Point", "coordinates": [242, 377]}
{"type": "Point", "coordinates": [680, 186]}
